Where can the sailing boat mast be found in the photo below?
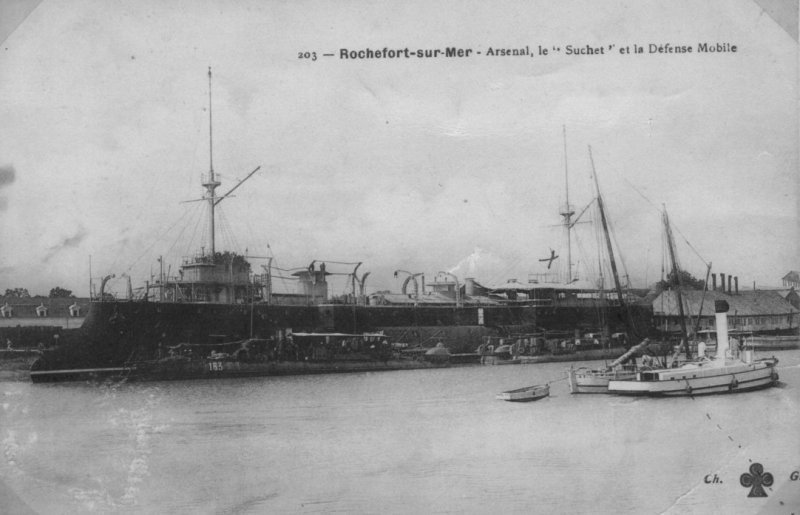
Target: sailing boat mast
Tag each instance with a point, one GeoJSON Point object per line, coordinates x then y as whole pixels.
{"type": "Point", "coordinates": [567, 212]}
{"type": "Point", "coordinates": [603, 220]}
{"type": "Point", "coordinates": [676, 273]}
{"type": "Point", "coordinates": [211, 184]}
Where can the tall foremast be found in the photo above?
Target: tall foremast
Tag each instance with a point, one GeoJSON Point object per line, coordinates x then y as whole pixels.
{"type": "Point", "coordinates": [211, 184]}
{"type": "Point", "coordinates": [566, 212]}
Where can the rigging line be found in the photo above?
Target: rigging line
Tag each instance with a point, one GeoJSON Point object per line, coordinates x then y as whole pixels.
{"type": "Point", "coordinates": [619, 256]}
{"type": "Point", "coordinates": [673, 225]}
{"type": "Point", "coordinates": [153, 243]}
{"type": "Point", "coordinates": [642, 195]}
{"type": "Point", "coordinates": [176, 240]}
{"type": "Point", "coordinates": [202, 225]}
{"type": "Point", "coordinates": [257, 240]}
{"type": "Point", "coordinates": [663, 256]}
{"type": "Point", "coordinates": [221, 231]}
{"type": "Point", "coordinates": [227, 232]}
{"type": "Point", "coordinates": [674, 256]}
{"type": "Point", "coordinates": [234, 241]}
{"type": "Point", "coordinates": [498, 276]}
{"type": "Point", "coordinates": [273, 266]}
{"type": "Point", "coordinates": [201, 220]}
{"type": "Point", "coordinates": [577, 258]}
{"type": "Point", "coordinates": [613, 236]}
{"type": "Point", "coordinates": [602, 257]}
{"type": "Point", "coordinates": [180, 234]}
{"type": "Point", "coordinates": [602, 248]}
{"type": "Point", "coordinates": [286, 286]}
{"type": "Point", "coordinates": [581, 263]}
{"type": "Point", "coordinates": [690, 246]}
{"type": "Point", "coordinates": [335, 262]}
{"type": "Point", "coordinates": [224, 230]}
{"type": "Point", "coordinates": [290, 269]}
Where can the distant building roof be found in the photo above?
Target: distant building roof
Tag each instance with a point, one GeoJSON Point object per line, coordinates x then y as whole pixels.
{"type": "Point", "coordinates": [24, 307]}
{"type": "Point", "coordinates": [793, 276]}
{"type": "Point", "coordinates": [746, 303]}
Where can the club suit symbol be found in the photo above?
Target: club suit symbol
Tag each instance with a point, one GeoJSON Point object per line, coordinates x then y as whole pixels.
{"type": "Point", "coordinates": [756, 480]}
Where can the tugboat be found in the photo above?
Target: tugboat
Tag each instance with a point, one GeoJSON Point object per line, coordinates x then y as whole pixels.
{"type": "Point", "coordinates": [728, 372]}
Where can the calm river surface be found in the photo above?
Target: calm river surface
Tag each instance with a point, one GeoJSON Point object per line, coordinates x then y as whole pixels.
{"type": "Point", "coordinates": [427, 441]}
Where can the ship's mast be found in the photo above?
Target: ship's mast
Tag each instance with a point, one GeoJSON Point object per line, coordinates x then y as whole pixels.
{"type": "Point", "coordinates": [567, 212]}
{"type": "Point", "coordinates": [677, 275]}
{"type": "Point", "coordinates": [211, 184]}
{"type": "Point", "coordinates": [613, 262]}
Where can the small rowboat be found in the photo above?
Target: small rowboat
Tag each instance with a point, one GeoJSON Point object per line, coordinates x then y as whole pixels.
{"type": "Point", "coordinates": [527, 394]}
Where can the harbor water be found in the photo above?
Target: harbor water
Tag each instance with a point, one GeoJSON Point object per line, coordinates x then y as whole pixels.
{"type": "Point", "coordinates": [421, 441]}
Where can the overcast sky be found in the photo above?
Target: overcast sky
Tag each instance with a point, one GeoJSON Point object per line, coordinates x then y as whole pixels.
{"type": "Point", "coordinates": [411, 164]}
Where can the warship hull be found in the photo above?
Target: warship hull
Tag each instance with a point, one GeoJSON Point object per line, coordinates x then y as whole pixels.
{"type": "Point", "coordinates": [118, 334]}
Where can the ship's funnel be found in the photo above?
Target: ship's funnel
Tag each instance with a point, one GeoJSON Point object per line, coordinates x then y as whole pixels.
{"type": "Point", "coordinates": [469, 287]}
{"type": "Point", "coordinates": [721, 313]}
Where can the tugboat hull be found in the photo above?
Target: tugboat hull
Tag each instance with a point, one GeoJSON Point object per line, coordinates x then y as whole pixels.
{"type": "Point", "coordinates": [691, 382]}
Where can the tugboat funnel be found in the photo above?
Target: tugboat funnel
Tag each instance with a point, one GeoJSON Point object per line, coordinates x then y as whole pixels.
{"type": "Point", "coordinates": [721, 313]}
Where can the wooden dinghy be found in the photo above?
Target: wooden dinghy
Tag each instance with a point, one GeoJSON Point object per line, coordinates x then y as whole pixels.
{"type": "Point", "coordinates": [527, 394]}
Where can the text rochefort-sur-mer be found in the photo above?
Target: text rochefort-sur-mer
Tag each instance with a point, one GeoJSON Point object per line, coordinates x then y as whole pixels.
{"type": "Point", "coordinates": [399, 53]}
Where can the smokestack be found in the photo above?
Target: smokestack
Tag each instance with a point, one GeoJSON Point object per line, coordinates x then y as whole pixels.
{"type": "Point", "coordinates": [729, 284]}
{"type": "Point", "coordinates": [721, 314]}
{"type": "Point", "coordinates": [469, 286]}
{"type": "Point", "coordinates": [722, 281]}
{"type": "Point", "coordinates": [736, 282]}
{"type": "Point", "coordinates": [713, 282]}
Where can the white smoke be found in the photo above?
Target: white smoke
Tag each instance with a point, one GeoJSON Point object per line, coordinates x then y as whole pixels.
{"type": "Point", "coordinates": [480, 264]}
